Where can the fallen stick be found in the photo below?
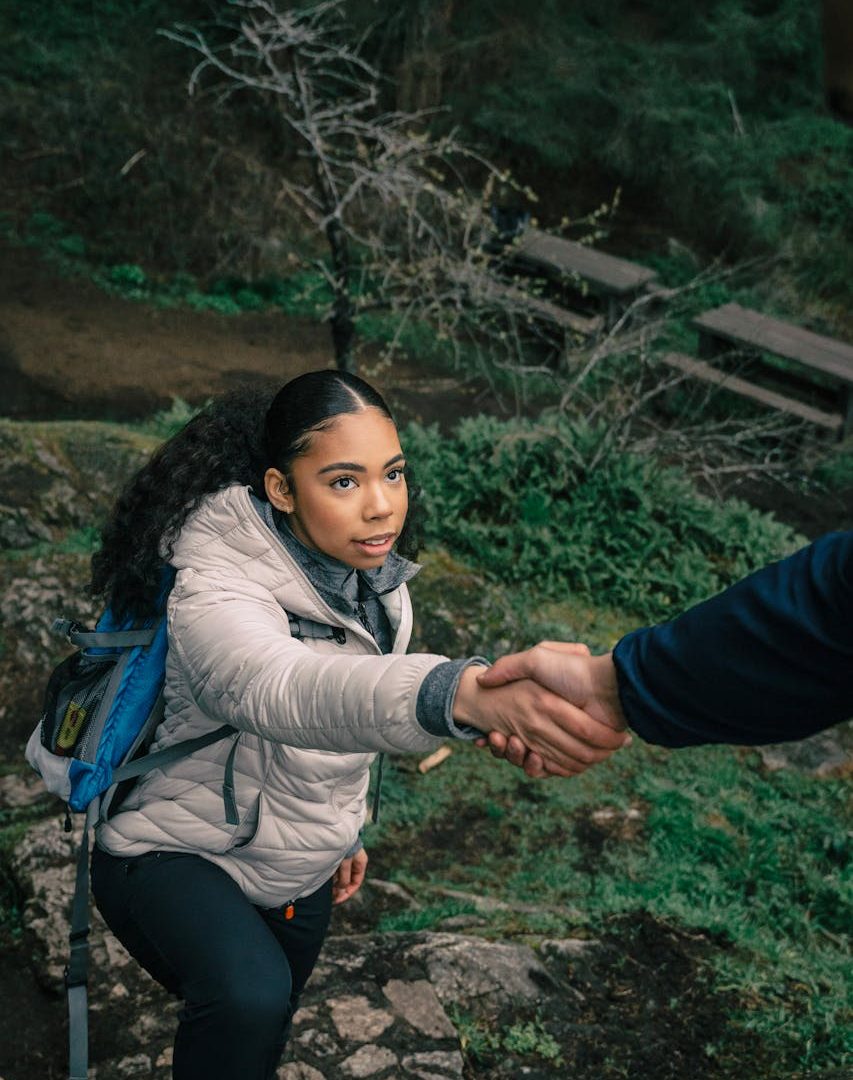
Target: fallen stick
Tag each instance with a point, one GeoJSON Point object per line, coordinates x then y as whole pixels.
{"type": "Point", "coordinates": [430, 762]}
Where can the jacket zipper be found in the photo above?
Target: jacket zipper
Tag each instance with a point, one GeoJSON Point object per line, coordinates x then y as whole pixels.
{"type": "Point", "coordinates": [363, 619]}
{"type": "Point", "coordinates": [362, 627]}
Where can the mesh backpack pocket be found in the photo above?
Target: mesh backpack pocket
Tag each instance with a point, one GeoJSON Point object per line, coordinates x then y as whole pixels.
{"type": "Point", "coordinates": [87, 723]}
{"type": "Point", "coordinates": [72, 713]}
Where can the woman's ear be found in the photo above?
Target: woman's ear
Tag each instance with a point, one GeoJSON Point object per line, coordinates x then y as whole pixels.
{"type": "Point", "coordinates": [278, 490]}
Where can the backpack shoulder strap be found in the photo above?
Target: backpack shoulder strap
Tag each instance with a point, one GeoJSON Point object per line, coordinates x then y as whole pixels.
{"type": "Point", "coordinates": [302, 629]}
{"type": "Point", "coordinates": [76, 634]}
{"type": "Point", "coordinates": [77, 971]}
{"type": "Point", "coordinates": [141, 765]}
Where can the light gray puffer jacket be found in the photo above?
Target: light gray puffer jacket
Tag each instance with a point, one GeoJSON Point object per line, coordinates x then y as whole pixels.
{"type": "Point", "coordinates": [310, 714]}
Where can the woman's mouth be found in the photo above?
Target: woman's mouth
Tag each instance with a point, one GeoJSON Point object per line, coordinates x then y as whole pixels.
{"type": "Point", "coordinates": [377, 545]}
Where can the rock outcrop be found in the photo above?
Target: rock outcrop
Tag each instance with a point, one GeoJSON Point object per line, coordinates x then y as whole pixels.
{"type": "Point", "coordinates": [378, 1005]}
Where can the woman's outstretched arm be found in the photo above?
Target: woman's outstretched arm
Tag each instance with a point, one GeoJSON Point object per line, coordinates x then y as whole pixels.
{"type": "Point", "coordinates": [236, 661]}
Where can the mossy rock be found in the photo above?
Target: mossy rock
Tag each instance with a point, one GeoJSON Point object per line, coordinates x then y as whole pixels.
{"type": "Point", "coordinates": [61, 476]}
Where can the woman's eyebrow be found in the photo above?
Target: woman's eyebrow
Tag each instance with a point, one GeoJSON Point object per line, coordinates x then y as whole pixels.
{"type": "Point", "coordinates": [353, 466]}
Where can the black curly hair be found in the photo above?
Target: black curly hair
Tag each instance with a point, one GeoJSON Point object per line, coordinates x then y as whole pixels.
{"type": "Point", "coordinates": [234, 440]}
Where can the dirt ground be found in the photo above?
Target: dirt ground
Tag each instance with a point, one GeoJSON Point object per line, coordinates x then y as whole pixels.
{"type": "Point", "coordinates": [70, 351]}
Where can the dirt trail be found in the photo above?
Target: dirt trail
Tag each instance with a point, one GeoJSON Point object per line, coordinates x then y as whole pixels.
{"type": "Point", "coordinates": [70, 351]}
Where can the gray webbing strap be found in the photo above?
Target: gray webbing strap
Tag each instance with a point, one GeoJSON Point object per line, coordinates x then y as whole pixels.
{"type": "Point", "coordinates": [90, 740]}
{"type": "Point", "coordinates": [78, 1033]}
{"type": "Point", "coordinates": [172, 753]}
{"type": "Point", "coordinates": [110, 639]}
{"type": "Point", "coordinates": [77, 971]}
{"type": "Point", "coordinates": [377, 794]}
{"type": "Point", "coordinates": [232, 813]}
{"type": "Point", "coordinates": [102, 639]}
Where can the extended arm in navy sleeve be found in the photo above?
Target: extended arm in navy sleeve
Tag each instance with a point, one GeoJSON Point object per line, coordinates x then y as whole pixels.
{"type": "Point", "coordinates": [769, 659]}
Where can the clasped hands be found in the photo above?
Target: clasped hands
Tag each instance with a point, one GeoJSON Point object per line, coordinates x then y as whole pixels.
{"type": "Point", "coordinates": [553, 710]}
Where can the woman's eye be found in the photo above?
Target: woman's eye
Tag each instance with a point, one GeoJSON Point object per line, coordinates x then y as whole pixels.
{"type": "Point", "coordinates": [395, 475]}
{"type": "Point", "coordinates": [343, 483]}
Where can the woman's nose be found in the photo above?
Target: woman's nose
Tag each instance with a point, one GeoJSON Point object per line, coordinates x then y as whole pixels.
{"type": "Point", "coordinates": [377, 504]}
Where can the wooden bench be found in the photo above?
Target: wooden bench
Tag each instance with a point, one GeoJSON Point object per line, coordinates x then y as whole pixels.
{"type": "Point", "coordinates": [734, 326]}
{"type": "Point", "coordinates": [616, 280]}
{"type": "Point", "coordinates": [525, 305]}
{"type": "Point", "coordinates": [698, 369]}
{"type": "Point", "coordinates": [546, 311]}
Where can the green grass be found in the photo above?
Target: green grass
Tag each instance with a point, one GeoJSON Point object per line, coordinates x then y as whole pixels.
{"type": "Point", "coordinates": [303, 293]}
{"type": "Point", "coordinates": [424, 918]}
{"type": "Point", "coordinates": [527, 1038]}
{"type": "Point", "coordinates": [758, 861]}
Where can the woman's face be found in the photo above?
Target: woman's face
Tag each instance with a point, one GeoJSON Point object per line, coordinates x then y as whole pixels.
{"type": "Point", "coordinates": [347, 493]}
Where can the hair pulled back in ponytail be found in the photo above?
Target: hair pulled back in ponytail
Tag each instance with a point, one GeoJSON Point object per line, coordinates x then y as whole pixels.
{"type": "Point", "coordinates": [310, 403]}
{"type": "Point", "coordinates": [234, 440]}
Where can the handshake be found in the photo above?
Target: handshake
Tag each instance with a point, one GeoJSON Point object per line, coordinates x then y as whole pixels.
{"type": "Point", "coordinates": [553, 710]}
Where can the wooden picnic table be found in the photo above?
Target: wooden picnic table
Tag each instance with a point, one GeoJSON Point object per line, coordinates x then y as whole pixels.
{"type": "Point", "coordinates": [699, 369]}
{"type": "Point", "coordinates": [617, 280]}
{"type": "Point", "coordinates": [544, 310]}
{"type": "Point", "coordinates": [733, 325]}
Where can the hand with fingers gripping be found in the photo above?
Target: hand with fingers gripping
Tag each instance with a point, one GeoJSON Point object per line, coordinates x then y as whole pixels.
{"type": "Point", "coordinates": [587, 683]}
{"type": "Point", "coordinates": [521, 704]}
{"type": "Point", "coordinates": [349, 877]}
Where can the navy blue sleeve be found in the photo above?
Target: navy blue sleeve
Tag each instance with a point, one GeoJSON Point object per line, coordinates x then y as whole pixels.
{"type": "Point", "coordinates": [768, 660]}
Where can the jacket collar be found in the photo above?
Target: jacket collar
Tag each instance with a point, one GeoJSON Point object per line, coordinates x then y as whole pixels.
{"type": "Point", "coordinates": [341, 586]}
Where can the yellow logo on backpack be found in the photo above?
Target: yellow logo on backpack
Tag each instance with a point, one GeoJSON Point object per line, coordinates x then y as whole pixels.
{"type": "Point", "coordinates": [69, 730]}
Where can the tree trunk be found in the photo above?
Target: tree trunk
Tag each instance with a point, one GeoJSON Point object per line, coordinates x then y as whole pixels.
{"type": "Point", "coordinates": [342, 321]}
{"type": "Point", "coordinates": [838, 57]}
{"type": "Point", "coordinates": [419, 77]}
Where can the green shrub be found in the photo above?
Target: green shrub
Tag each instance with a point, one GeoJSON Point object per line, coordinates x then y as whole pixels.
{"type": "Point", "coordinates": [521, 502]}
{"type": "Point", "coordinates": [527, 1039]}
{"type": "Point", "coordinates": [835, 472]}
{"type": "Point", "coordinates": [44, 227]}
{"type": "Point", "coordinates": [127, 276]}
{"type": "Point", "coordinates": [644, 97]}
{"type": "Point", "coordinates": [168, 422]}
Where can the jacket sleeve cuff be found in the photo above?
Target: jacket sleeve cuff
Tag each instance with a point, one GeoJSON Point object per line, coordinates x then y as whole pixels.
{"type": "Point", "coordinates": [436, 696]}
{"type": "Point", "coordinates": [354, 848]}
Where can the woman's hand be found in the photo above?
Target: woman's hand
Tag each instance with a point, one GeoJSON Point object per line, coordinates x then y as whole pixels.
{"type": "Point", "coordinates": [510, 701]}
{"type": "Point", "coordinates": [586, 681]}
{"type": "Point", "coordinates": [349, 876]}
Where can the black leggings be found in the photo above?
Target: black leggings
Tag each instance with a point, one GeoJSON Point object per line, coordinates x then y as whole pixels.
{"type": "Point", "coordinates": [238, 968]}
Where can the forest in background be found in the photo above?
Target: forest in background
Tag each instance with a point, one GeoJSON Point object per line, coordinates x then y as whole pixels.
{"type": "Point", "coordinates": [710, 119]}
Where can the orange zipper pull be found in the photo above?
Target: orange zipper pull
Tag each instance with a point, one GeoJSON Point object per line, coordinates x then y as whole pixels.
{"type": "Point", "coordinates": [289, 911]}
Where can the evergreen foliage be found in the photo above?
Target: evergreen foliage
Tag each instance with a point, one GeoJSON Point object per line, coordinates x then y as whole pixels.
{"type": "Point", "coordinates": [710, 116]}
{"type": "Point", "coordinates": [652, 97]}
{"type": "Point", "coordinates": [520, 501]}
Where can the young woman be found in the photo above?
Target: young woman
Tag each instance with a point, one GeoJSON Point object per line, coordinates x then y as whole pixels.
{"type": "Point", "coordinates": [288, 619]}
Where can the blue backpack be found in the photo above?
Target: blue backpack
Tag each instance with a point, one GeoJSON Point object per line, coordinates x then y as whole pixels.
{"type": "Point", "coordinates": [102, 706]}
